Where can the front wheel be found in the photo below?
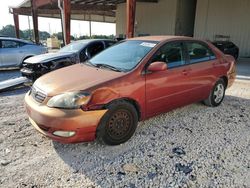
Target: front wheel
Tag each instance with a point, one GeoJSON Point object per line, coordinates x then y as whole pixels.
{"type": "Point", "coordinates": [217, 94]}
{"type": "Point", "coordinates": [118, 124]}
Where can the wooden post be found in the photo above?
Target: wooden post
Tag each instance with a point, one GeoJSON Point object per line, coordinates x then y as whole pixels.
{"type": "Point", "coordinates": [90, 27]}
{"type": "Point", "coordinates": [131, 9]}
{"type": "Point", "coordinates": [35, 20]}
{"type": "Point", "coordinates": [67, 10]}
{"type": "Point", "coordinates": [16, 22]}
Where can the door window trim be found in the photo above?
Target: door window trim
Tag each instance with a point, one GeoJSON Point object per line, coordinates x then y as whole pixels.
{"type": "Point", "coordinates": [201, 43]}
{"type": "Point", "coordinates": [185, 55]}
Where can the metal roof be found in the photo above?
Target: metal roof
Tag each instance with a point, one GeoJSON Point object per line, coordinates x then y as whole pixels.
{"type": "Point", "coordinates": [94, 10]}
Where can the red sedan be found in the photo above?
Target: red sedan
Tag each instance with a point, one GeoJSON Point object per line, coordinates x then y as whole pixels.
{"type": "Point", "coordinates": [136, 79]}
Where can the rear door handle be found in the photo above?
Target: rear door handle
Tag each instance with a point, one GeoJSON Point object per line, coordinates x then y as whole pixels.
{"type": "Point", "coordinates": [185, 72]}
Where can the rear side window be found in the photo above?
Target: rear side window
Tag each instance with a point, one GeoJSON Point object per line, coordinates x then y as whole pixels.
{"type": "Point", "coordinates": [9, 44]}
{"type": "Point", "coordinates": [198, 52]}
{"type": "Point", "coordinates": [172, 54]}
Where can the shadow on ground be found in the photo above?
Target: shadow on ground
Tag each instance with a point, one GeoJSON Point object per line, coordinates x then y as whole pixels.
{"type": "Point", "coordinates": [19, 90]}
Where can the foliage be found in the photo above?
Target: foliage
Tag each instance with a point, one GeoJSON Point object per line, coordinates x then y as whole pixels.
{"type": "Point", "coordinates": [9, 31]}
{"type": "Point", "coordinates": [96, 37]}
{"type": "Point", "coordinates": [59, 35]}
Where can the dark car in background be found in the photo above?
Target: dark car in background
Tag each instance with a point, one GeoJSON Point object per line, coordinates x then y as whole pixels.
{"type": "Point", "coordinates": [227, 47]}
{"type": "Point", "coordinates": [73, 53]}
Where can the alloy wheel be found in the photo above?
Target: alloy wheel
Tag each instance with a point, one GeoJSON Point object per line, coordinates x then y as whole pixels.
{"type": "Point", "coordinates": [219, 93]}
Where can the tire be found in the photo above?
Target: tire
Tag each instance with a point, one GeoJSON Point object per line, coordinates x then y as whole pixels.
{"type": "Point", "coordinates": [217, 94]}
{"type": "Point", "coordinates": [21, 65]}
{"type": "Point", "coordinates": [118, 124]}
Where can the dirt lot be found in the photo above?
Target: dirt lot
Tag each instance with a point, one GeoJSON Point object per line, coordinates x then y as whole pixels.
{"type": "Point", "coordinates": [194, 146]}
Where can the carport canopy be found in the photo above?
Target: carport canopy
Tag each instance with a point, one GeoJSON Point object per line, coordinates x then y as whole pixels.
{"type": "Point", "coordinates": [86, 10]}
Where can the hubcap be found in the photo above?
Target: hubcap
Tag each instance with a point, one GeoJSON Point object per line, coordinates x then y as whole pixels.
{"type": "Point", "coordinates": [218, 93]}
{"type": "Point", "coordinates": [119, 124]}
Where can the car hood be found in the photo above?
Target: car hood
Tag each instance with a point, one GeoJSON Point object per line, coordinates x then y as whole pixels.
{"type": "Point", "coordinates": [77, 77]}
{"type": "Point", "coordinates": [48, 57]}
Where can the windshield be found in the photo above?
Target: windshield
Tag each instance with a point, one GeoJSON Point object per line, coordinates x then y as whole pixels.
{"type": "Point", "coordinates": [73, 47]}
{"type": "Point", "coordinates": [124, 56]}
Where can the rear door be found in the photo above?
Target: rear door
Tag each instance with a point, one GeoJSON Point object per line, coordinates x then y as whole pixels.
{"type": "Point", "coordinates": [201, 61]}
{"type": "Point", "coordinates": [166, 90]}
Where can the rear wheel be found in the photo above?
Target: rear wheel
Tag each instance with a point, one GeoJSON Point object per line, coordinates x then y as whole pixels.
{"type": "Point", "coordinates": [118, 124]}
{"type": "Point", "coordinates": [217, 94]}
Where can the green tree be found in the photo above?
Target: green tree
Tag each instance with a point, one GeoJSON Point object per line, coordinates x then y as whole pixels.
{"type": "Point", "coordinates": [28, 34]}
{"type": "Point", "coordinates": [9, 31]}
{"type": "Point", "coordinates": [44, 35]}
{"type": "Point", "coordinates": [59, 35]}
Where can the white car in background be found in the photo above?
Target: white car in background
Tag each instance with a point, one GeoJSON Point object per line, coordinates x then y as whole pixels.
{"type": "Point", "coordinates": [14, 51]}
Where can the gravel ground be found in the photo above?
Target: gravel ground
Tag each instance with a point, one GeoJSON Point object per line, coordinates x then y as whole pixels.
{"type": "Point", "coordinates": [193, 146]}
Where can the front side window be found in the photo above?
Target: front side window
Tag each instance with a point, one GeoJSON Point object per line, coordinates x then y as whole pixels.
{"type": "Point", "coordinates": [199, 52]}
{"type": "Point", "coordinates": [124, 56]}
{"type": "Point", "coordinates": [95, 48]}
{"type": "Point", "coordinates": [9, 44]}
{"type": "Point", "coordinates": [170, 53]}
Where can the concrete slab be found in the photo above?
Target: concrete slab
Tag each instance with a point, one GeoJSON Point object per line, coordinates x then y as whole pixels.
{"type": "Point", "coordinates": [243, 69]}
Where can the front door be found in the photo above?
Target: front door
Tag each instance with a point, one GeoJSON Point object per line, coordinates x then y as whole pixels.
{"type": "Point", "coordinates": [10, 53]}
{"type": "Point", "coordinates": [166, 90]}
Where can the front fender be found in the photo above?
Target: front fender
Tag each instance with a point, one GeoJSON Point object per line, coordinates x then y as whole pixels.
{"type": "Point", "coordinates": [102, 96]}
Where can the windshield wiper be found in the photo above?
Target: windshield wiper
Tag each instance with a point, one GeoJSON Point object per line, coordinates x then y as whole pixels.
{"type": "Point", "coordinates": [91, 64]}
{"type": "Point", "coordinates": [109, 67]}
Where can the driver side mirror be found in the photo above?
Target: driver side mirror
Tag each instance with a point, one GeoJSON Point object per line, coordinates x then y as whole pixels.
{"type": "Point", "coordinates": [157, 66]}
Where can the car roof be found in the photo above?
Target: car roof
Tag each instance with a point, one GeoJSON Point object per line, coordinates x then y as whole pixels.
{"type": "Point", "coordinates": [160, 38]}
{"type": "Point", "coordinates": [92, 40]}
{"type": "Point", "coordinates": [15, 39]}
{"type": "Point", "coordinates": [222, 42]}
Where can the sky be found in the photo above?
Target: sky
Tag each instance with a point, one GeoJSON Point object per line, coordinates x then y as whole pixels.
{"type": "Point", "coordinates": [53, 25]}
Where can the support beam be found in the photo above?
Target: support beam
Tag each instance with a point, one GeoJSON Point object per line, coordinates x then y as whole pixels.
{"type": "Point", "coordinates": [67, 10]}
{"type": "Point", "coordinates": [55, 12]}
{"type": "Point", "coordinates": [16, 22]}
{"type": "Point", "coordinates": [131, 9]}
{"type": "Point", "coordinates": [35, 20]}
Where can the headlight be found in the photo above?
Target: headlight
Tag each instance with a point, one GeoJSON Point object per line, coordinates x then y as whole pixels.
{"type": "Point", "coordinates": [70, 100]}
